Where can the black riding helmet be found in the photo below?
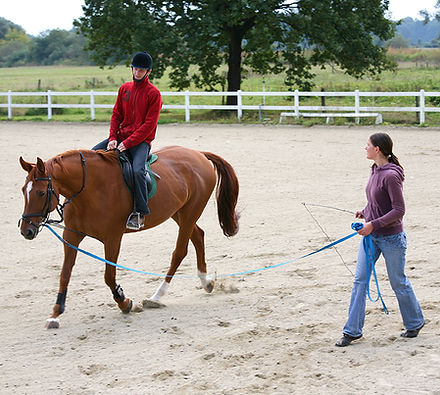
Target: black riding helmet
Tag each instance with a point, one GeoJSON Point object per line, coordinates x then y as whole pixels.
{"type": "Point", "coordinates": [142, 60]}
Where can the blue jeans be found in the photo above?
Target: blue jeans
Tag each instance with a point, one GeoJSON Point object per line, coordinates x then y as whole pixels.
{"type": "Point", "coordinates": [393, 248]}
{"type": "Point", "coordinates": [138, 156]}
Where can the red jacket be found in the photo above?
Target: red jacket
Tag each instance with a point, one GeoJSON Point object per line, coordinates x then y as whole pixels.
{"type": "Point", "coordinates": [135, 113]}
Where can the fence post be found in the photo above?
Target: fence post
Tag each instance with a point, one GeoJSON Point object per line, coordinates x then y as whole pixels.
{"type": "Point", "coordinates": [187, 114]}
{"type": "Point", "coordinates": [417, 105]}
{"type": "Point", "coordinates": [49, 105]}
{"type": "Point", "coordinates": [296, 103]}
{"type": "Point", "coordinates": [9, 104]}
{"type": "Point", "coordinates": [92, 105]}
{"type": "Point", "coordinates": [356, 104]}
{"type": "Point", "coordinates": [422, 106]}
{"type": "Point", "coordinates": [239, 106]}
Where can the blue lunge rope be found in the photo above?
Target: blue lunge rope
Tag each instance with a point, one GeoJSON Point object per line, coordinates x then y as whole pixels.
{"type": "Point", "coordinates": [367, 243]}
{"type": "Point", "coordinates": [215, 276]}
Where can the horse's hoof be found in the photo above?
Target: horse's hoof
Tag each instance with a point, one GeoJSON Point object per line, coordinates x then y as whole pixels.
{"type": "Point", "coordinates": [137, 308]}
{"type": "Point", "coordinates": [128, 308]}
{"type": "Point", "coordinates": [209, 287]}
{"type": "Point", "coordinates": [152, 304]}
{"type": "Point", "coordinates": [52, 323]}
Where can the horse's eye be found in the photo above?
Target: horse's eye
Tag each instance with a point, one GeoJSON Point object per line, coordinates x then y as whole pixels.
{"type": "Point", "coordinates": [41, 193]}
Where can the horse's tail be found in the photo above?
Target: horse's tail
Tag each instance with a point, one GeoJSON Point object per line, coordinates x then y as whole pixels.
{"type": "Point", "coordinates": [227, 194]}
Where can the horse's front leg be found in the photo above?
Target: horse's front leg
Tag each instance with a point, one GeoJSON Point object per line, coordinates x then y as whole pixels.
{"type": "Point", "coordinates": [111, 254]}
{"type": "Point", "coordinates": [69, 261]}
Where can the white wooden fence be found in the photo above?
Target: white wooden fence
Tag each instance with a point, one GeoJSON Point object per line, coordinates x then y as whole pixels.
{"type": "Point", "coordinates": [296, 108]}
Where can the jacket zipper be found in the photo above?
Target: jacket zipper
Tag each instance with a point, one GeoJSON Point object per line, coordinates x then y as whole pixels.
{"type": "Point", "coordinates": [134, 102]}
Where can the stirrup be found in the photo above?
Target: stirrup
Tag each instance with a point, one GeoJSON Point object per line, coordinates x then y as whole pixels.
{"type": "Point", "coordinates": [135, 221]}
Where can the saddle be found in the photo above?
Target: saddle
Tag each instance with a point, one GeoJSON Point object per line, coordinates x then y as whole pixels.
{"type": "Point", "coordinates": [127, 173]}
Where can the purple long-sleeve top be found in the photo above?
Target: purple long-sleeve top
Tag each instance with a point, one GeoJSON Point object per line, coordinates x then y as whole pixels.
{"type": "Point", "coordinates": [385, 203]}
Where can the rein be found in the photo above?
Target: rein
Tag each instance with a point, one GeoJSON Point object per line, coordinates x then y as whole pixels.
{"type": "Point", "coordinates": [60, 207]}
{"type": "Point", "coordinates": [45, 212]}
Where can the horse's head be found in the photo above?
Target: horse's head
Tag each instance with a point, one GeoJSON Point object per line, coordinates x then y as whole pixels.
{"type": "Point", "coordinates": [39, 198]}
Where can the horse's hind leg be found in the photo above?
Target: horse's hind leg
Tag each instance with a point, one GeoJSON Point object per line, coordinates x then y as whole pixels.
{"type": "Point", "coordinates": [111, 254]}
{"type": "Point", "coordinates": [179, 253]}
{"type": "Point", "coordinates": [198, 240]}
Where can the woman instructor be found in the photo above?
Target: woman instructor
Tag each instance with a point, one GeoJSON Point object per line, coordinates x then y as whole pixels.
{"type": "Point", "coordinates": [383, 222]}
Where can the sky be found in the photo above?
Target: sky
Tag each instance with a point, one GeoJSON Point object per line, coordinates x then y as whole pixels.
{"type": "Point", "coordinates": [36, 16]}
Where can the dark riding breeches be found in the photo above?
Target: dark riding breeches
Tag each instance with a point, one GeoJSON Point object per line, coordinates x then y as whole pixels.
{"type": "Point", "coordinates": [138, 156]}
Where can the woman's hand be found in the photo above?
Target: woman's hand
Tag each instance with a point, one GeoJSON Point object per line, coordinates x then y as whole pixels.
{"type": "Point", "coordinates": [359, 214]}
{"type": "Point", "coordinates": [366, 229]}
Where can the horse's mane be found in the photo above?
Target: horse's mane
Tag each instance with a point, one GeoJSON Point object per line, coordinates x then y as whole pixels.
{"type": "Point", "coordinates": [61, 160]}
{"type": "Point", "coordinates": [109, 156]}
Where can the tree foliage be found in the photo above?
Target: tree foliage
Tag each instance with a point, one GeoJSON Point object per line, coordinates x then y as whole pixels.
{"type": "Point", "coordinates": [48, 48]}
{"type": "Point", "coordinates": [419, 33]}
{"type": "Point", "coordinates": [6, 26]}
{"type": "Point", "coordinates": [398, 41]}
{"type": "Point", "coordinates": [116, 29]}
{"type": "Point", "coordinates": [14, 43]}
{"type": "Point", "coordinates": [266, 36]}
{"type": "Point", "coordinates": [58, 47]}
{"type": "Point", "coordinates": [428, 15]}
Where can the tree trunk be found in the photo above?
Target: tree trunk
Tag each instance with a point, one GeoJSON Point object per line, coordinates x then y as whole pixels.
{"type": "Point", "coordinates": [234, 65]}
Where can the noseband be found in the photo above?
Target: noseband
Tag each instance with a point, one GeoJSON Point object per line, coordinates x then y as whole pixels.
{"type": "Point", "coordinates": [45, 212]}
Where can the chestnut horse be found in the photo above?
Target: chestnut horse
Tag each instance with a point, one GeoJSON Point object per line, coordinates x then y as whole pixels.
{"type": "Point", "coordinates": [98, 203]}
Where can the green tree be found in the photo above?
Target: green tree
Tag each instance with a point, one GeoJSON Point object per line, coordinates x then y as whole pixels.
{"type": "Point", "coordinates": [6, 26]}
{"type": "Point", "coordinates": [427, 19]}
{"type": "Point", "coordinates": [266, 36]}
{"type": "Point", "coordinates": [14, 44]}
{"type": "Point", "coordinates": [116, 29]}
{"type": "Point", "coordinates": [435, 15]}
{"type": "Point", "coordinates": [58, 47]}
{"type": "Point", "coordinates": [398, 41]}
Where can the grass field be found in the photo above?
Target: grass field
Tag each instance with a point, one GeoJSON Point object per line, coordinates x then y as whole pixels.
{"type": "Point", "coordinates": [409, 77]}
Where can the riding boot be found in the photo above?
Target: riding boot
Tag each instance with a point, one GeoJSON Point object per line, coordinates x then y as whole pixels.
{"type": "Point", "coordinates": [135, 221]}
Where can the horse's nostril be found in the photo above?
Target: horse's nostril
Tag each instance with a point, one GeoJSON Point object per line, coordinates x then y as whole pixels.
{"type": "Point", "coordinates": [29, 234]}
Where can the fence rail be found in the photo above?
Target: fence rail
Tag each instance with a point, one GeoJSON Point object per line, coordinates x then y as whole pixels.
{"type": "Point", "coordinates": [420, 107]}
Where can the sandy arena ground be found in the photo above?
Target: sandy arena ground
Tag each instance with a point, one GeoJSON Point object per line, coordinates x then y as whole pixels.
{"type": "Point", "coordinates": [272, 332]}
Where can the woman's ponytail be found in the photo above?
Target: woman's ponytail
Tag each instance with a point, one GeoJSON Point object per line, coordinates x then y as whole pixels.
{"type": "Point", "coordinates": [385, 144]}
{"type": "Point", "coordinates": [394, 159]}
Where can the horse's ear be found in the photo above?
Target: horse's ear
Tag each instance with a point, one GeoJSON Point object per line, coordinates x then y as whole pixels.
{"type": "Point", "coordinates": [25, 165]}
{"type": "Point", "coordinates": [40, 166]}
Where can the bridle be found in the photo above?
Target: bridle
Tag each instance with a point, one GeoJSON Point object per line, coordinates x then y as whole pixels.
{"type": "Point", "coordinates": [50, 193]}
{"type": "Point", "coordinates": [45, 212]}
